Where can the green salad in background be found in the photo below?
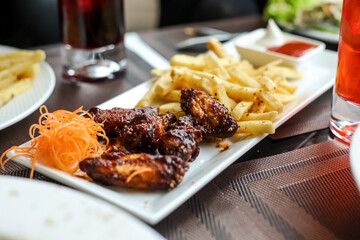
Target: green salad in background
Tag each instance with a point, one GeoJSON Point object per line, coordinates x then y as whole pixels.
{"type": "Point", "coordinates": [323, 15]}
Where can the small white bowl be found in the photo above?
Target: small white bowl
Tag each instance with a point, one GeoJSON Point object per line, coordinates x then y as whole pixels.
{"type": "Point", "coordinates": [258, 55]}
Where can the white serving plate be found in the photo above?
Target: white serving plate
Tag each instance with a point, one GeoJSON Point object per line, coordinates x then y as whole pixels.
{"type": "Point", "coordinates": [152, 207]}
{"type": "Point", "coordinates": [355, 156]}
{"type": "Point", "coordinates": [258, 55]}
{"type": "Point", "coordinates": [41, 210]}
{"type": "Point", "coordinates": [26, 103]}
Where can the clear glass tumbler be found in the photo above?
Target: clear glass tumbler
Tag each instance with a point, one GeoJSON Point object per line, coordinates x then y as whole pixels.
{"type": "Point", "coordinates": [93, 39]}
{"type": "Point", "coordinates": [345, 115]}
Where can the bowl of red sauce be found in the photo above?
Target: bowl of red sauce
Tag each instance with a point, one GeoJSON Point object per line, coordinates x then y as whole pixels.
{"type": "Point", "coordinates": [292, 49]}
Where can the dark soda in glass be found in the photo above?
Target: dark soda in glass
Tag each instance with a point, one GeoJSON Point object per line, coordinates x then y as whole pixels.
{"type": "Point", "coordinates": [90, 24]}
{"type": "Point", "coordinates": [93, 39]}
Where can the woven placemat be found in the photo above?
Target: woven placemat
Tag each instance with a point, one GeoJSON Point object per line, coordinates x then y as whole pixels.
{"type": "Point", "coordinates": [307, 193]}
{"type": "Point", "coordinates": [314, 117]}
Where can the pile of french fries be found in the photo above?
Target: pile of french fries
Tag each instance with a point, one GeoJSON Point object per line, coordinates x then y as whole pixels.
{"type": "Point", "coordinates": [17, 71]}
{"type": "Point", "coordinates": [254, 96]}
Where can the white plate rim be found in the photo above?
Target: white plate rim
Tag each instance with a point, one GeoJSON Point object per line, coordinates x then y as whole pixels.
{"type": "Point", "coordinates": [44, 67]}
{"type": "Point", "coordinates": [312, 33]}
{"type": "Point", "coordinates": [159, 214]}
{"type": "Point", "coordinates": [21, 186]}
{"type": "Point", "coordinates": [320, 35]}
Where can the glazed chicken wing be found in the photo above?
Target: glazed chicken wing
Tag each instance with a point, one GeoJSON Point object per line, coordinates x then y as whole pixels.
{"type": "Point", "coordinates": [213, 117]}
{"type": "Point", "coordinates": [142, 134]}
{"type": "Point", "coordinates": [138, 129]}
{"type": "Point", "coordinates": [114, 119]}
{"type": "Point", "coordinates": [140, 171]}
{"type": "Point", "coordinates": [182, 140]}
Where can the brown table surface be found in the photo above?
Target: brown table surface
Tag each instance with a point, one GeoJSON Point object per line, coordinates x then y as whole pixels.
{"type": "Point", "coordinates": [69, 96]}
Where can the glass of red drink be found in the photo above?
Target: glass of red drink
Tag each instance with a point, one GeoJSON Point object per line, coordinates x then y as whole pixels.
{"type": "Point", "coordinates": [93, 38]}
{"type": "Point", "coordinates": [345, 115]}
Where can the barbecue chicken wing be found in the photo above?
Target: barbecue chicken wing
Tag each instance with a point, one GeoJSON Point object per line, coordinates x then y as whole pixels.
{"type": "Point", "coordinates": [113, 120]}
{"type": "Point", "coordinates": [138, 129]}
{"type": "Point", "coordinates": [140, 171]}
{"type": "Point", "coordinates": [213, 117]}
{"type": "Point", "coordinates": [182, 140]}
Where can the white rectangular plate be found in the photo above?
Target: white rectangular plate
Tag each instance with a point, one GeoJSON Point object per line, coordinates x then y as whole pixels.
{"type": "Point", "coordinates": [152, 207]}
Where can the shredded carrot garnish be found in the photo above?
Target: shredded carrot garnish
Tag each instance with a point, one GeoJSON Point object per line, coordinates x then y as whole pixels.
{"type": "Point", "coordinates": [64, 138]}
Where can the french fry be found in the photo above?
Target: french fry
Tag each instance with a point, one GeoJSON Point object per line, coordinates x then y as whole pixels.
{"type": "Point", "coordinates": [17, 70]}
{"type": "Point", "coordinates": [16, 56]}
{"type": "Point", "coordinates": [7, 60]}
{"type": "Point", "coordinates": [5, 64]}
{"type": "Point", "coordinates": [173, 96]}
{"type": "Point", "coordinates": [211, 62]}
{"type": "Point", "coordinates": [290, 87]}
{"type": "Point", "coordinates": [260, 116]}
{"type": "Point", "coordinates": [173, 107]}
{"type": "Point", "coordinates": [244, 66]}
{"type": "Point", "coordinates": [159, 72]}
{"type": "Point", "coordinates": [240, 109]}
{"type": "Point", "coordinates": [240, 93]}
{"type": "Point", "coordinates": [271, 101]}
{"type": "Point", "coordinates": [20, 86]}
{"type": "Point", "coordinates": [287, 72]}
{"type": "Point", "coordinates": [38, 56]}
{"type": "Point", "coordinates": [21, 67]}
{"type": "Point", "coordinates": [220, 94]}
{"type": "Point", "coordinates": [256, 127]}
{"type": "Point", "coordinates": [282, 90]}
{"type": "Point", "coordinates": [267, 66]}
{"type": "Point", "coordinates": [231, 61]}
{"type": "Point", "coordinates": [215, 46]}
{"type": "Point", "coordinates": [266, 83]}
{"type": "Point", "coordinates": [191, 79]}
{"type": "Point", "coordinates": [204, 81]}
{"type": "Point", "coordinates": [164, 84]}
{"type": "Point", "coordinates": [258, 107]}
{"type": "Point", "coordinates": [31, 72]}
{"type": "Point", "coordinates": [7, 81]}
{"type": "Point", "coordinates": [210, 77]}
{"type": "Point", "coordinates": [190, 62]}
{"type": "Point", "coordinates": [148, 98]}
{"type": "Point", "coordinates": [242, 78]}
{"type": "Point", "coordinates": [284, 98]}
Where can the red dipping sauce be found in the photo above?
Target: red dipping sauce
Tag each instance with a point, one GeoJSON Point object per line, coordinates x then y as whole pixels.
{"type": "Point", "coordinates": [294, 49]}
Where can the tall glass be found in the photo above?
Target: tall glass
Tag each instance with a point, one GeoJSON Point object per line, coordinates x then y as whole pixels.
{"type": "Point", "coordinates": [345, 115]}
{"type": "Point", "coordinates": [93, 38]}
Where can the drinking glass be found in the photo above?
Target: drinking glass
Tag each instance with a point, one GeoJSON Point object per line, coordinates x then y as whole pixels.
{"type": "Point", "coordinates": [345, 115]}
{"type": "Point", "coordinates": [93, 39]}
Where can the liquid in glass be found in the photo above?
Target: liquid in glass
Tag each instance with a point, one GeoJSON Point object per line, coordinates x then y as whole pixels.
{"type": "Point", "coordinates": [346, 98]}
{"type": "Point", "coordinates": [93, 38]}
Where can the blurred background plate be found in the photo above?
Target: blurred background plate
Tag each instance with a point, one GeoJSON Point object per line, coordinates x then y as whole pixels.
{"type": "Point", "coordinates": [355, 156]}
{"type": "Point", "coordinates": [26, 103]}
{"type": "Point", "coordinates": [34, 209]}
{"type": "Point", "coordinates": [320, 35]}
